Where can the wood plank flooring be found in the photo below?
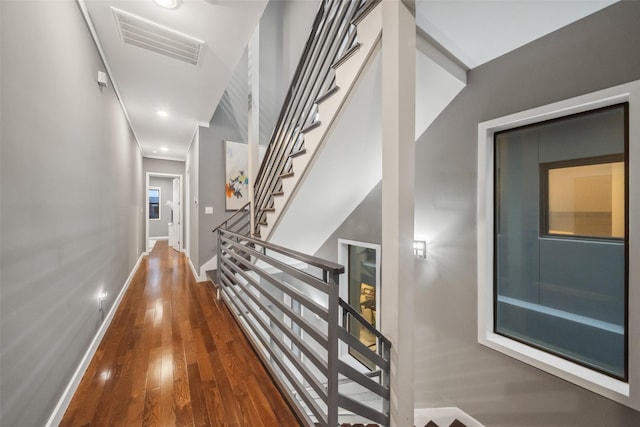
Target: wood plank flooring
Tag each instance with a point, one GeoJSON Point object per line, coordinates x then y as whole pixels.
{"type": "Point", "coordinates": [174, 356]}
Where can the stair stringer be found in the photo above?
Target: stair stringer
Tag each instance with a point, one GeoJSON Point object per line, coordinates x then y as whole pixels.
{"type": "Point", "coordinates": [348, 73]}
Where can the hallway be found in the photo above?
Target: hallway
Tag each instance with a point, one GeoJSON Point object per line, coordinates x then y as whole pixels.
{"type": "Point", "coordinates": [174, 355]}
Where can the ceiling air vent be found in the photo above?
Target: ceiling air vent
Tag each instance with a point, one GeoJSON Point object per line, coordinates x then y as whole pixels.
{"type": "Point", "coordinates": [148, 35]}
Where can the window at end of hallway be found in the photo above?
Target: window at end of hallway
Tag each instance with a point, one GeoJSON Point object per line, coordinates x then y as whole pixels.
{"type": "Point", "coordinates": [154, 203]}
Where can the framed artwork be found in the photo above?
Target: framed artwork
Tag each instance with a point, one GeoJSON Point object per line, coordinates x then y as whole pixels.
{"type": "Point", "coordinates": [236, 174]}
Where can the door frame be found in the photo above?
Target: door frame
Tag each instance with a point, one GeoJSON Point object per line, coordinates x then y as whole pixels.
{"type": "Point", "coordinates": [343, 259]}
{"type": "Point", "coordinates": [146, 206]}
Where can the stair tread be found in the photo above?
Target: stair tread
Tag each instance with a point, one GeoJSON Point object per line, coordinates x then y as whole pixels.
{"type": "Point", "coordinates": [286, 175]}
{"type": "Point", "coordinates": [327, 94]}
{"type": "Point", "coordinates": [348, 54]}
{"type": "Point", "coordinates": [311, 126]}
{"type": "Point", "coordinates": [277, 193]}
{"type": "Point", "coordinates": [298, 153]}
{"type": "Point", "coordinates": [364, 11]}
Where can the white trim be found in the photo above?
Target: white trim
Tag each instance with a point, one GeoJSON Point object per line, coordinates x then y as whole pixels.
{"type": "Point", "coordinates": [70, 390]}
{"type": "Point", "coordinates": [626, 393]}
{"type": "Point", "coordinates": [443, 417]}
{"type": "Point", "coordinates": [193, 270]}
{"type": "Point", "coordinates": [212, 264]}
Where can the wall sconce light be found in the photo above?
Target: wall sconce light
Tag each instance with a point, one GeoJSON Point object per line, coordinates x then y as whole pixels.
{"type": "Point", "coordinates": [420, 249]}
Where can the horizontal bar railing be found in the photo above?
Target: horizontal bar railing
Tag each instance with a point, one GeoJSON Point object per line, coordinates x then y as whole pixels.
{"type": "Point", "coordinates": [237, 221]}
{"type": "Point", "coordinates": [289, 307]}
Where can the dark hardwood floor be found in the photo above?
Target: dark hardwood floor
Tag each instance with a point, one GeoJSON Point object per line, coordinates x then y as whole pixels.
{"type": "Point", "coordinates": [174, 356]}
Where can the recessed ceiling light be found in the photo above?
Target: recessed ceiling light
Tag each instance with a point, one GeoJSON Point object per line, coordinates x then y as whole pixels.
{"type": "Point", "coordinates": [169, 4]}
{"type": "Point", "coordinates": [164, 149]}
{"type": "Point", "coordinates": [154, 151]}
{"type": "Point", "coordinates": [162, 113]}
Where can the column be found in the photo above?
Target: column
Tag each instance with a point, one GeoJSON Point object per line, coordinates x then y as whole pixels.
{"type": "Point", "coordinates": [398, 149]}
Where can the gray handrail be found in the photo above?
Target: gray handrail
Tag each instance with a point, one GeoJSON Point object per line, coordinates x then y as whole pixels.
{"type": "Point", "coordinates": [262, 284]}
{"type": "Point", "coordinates": [323, 264]}
{"type": "Point", "coordinates": [348, 309]}
{"type": "Point", "coordinates": [243, 210]}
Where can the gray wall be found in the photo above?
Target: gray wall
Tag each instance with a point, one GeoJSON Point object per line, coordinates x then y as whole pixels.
{"type": "Point", "coordinates": [160, 227]}
{"type": "Point", "coordinates": [212, 180]}
{"type": "Point", "coordinates": [71, 209]}
{"type": "Point", "coordinates": [364, 224]}
{"type": "Point", "coordinates": [452, 369]}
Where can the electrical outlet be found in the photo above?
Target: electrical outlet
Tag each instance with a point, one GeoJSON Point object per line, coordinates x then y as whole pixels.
{"type": "Point", "coordinates": [102, 297]}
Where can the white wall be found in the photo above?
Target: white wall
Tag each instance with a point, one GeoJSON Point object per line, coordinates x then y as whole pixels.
{"type": "Point", "coordinates": [71, 207]}
{"type": "Point", "coordinates": [192, 203]}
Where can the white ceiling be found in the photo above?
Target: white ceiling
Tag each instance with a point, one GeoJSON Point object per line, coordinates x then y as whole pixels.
{"type": "Point", "coordinates": [474, 31]}
{"type": "Point", "coordinates": [477, 31]}
{"type": "Point", "coordinates": [149, 82]}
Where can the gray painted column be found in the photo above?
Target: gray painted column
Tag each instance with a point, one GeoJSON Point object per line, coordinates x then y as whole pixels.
{"type": "Point", "coordinates": [398, 170]}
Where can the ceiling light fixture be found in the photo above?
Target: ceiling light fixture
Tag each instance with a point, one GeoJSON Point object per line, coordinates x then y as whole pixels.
{"type": "Point", "coordinates": [165, 149]}
{"type": "Point", "coordinates": [162, 113]}
{"type": "Point", "coordinates": [169, 4]}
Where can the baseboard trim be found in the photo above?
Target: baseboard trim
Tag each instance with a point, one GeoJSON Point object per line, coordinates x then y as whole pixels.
{"type": "Point", "coordinates": [444, 416]}
{"type": "Point", "coordinates": [67, 395]}
{"type": "Point", "coordinates": [212, 264]}
{"type": "Point", "coordinates": [194, 272]}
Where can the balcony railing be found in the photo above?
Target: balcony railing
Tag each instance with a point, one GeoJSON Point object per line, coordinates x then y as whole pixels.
{"type": "Point", "coordinates": [289, 306]}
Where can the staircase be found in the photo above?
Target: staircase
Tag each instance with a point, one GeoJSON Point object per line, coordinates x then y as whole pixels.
{"type": "Point", "coordinates": [344, 37]}
{"type": "Point", "coordinates": [287, 302]}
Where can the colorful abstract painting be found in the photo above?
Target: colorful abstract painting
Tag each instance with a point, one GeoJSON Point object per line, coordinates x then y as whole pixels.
{"type": "Point", "coordinates": [236, 174]}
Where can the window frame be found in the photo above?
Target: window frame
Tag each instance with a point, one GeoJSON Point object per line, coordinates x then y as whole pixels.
{"type": "Point", "coordinates": [544, 193]}
{"type": "Point", "coordinates": [159, 204]}
{"type": "Point", "coordinates": [624, 392]}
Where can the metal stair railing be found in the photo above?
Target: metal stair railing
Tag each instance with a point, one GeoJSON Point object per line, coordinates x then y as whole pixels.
{"type": "Point", "coordinates": [332, 38]}
{"type": "Point", "coordinates": [289, 307]}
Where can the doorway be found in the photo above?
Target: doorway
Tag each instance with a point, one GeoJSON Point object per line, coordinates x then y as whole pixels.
{"type": "Point", "coordinates": [163, 210]}
{"type": "Point", "coordinates": [360, 288]}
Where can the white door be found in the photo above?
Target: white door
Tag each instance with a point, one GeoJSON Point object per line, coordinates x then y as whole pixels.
{"type": "Point", "coordinates": [175, 230]}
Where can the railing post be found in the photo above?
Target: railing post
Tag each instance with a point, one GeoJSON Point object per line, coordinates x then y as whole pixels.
{"type": "Point", "coordinates": [385, 377]}
{"type": "Point", "coordinates": [218, 269]}
{"type": "Point", "coordinates": [332, 350]}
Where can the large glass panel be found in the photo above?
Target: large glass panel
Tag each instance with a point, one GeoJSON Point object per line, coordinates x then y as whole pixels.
{"type": "Point", "coordinates": [362, 295]}
{"type": "Point", "coordinates": [586, 200]}
{"type": "Point", "coordinates": [561, 239]}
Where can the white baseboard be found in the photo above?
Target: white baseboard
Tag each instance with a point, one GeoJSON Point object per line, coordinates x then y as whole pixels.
{"type": "Point", "coordinates": [212, 264]}
{"type": "Point", "coordinates": [159, 238]}
{"type": "Point", "coordinates": [444, 417]}
{"type": "Point", "coordinates": [195, 273]}
{"type": "Point", "coordinates": [67, 395]}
